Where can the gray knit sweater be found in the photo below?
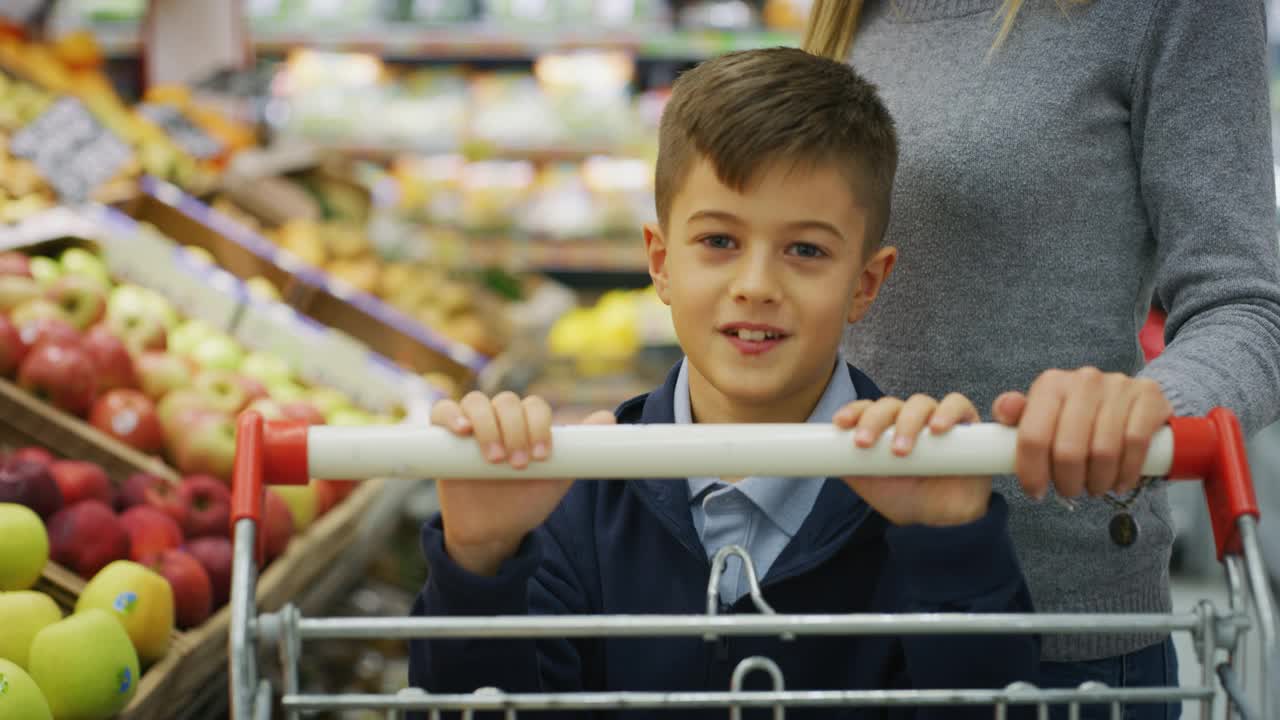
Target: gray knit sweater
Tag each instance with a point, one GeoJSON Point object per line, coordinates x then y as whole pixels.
{"type": "Point", "coordinates": [1108, 152]}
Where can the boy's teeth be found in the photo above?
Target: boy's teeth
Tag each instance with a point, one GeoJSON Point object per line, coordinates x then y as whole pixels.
{"type": "Point", "coordinates": [755, 335]}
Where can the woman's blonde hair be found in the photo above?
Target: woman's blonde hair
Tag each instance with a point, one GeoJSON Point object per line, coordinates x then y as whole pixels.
{"type": "Point", "coordinates": [833, 23]}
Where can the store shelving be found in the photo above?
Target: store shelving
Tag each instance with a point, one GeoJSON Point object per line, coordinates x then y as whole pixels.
{"type": "Point", "coordinates": [407, 42]}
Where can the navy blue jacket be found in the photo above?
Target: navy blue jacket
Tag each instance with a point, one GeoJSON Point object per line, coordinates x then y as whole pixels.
{"type": "Point", "coordinates": [631, 548]}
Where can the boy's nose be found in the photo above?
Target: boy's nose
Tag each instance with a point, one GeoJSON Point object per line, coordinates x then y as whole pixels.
{"type": "Point", "coordinates": [754, 280]}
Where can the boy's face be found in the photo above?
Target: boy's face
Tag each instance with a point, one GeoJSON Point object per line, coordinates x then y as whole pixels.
{"type": "Point", "coordinates": [761, 284]}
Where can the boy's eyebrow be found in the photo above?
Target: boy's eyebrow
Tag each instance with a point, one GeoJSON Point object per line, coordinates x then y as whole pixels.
{"type": "Point", "coordinates": [795, 225]}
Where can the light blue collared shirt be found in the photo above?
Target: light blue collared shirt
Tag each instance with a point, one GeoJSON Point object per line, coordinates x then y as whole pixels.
{"type": "Point", "coordinates": [761, 514]}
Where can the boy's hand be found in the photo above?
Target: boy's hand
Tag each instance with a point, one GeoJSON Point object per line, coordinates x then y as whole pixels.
{"type": "Point", "coordinates": [486, 520]}
{"type": "Point", "coordinates": [1083, 430]}
{"type": "Point", "coordinates": [936, 501]}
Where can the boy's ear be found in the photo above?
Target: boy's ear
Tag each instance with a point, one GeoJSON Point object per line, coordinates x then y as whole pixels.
{"type": "Point", "coordinates": [655, 247]}
{"type": "Point", "coordinates": [870, 280]}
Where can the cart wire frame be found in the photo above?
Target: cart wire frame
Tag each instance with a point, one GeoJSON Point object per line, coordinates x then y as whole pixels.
{"type": "Point", "coordinates": [1210, 449]}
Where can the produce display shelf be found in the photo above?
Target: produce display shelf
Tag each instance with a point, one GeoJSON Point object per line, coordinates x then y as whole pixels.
{"type": "Point", "coordinates": [245, 254]}
{"type": "Point", "coordinates": [405, 41]}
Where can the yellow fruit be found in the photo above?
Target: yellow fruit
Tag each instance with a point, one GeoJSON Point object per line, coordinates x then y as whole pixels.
{"type": "Point", "coordinates": [140, 599]}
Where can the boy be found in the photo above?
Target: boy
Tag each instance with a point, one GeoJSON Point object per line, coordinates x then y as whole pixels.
{"type": "Point", "coordinates": [773, 180]}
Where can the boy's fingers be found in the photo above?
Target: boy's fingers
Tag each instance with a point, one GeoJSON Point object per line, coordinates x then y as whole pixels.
{"type": "Point", "coordinates": [1075, 431]}
{"type": "Point", "coordinates": [537, 413]}
{"type": "Point", "coordinates": [479, 412]}
{"type": "Point", "coordinates": [447, 414]}
{"type": "Point", "coordinates": [601, 417]}
{"type": "Point", "coordinates": [514, 427]}
{"type": "Point", "coordinates": [1036, 427]}
{"type": "Point", "coordinates": [1009, 408]}
{"type": "Point", "coordinates": [1150, 412]}
{"type": "Point", "coordinates": [911, 420]}
{"type": "Point", "coordinates": [1107, 444]}
{"type": "Point", "coordinates": [847, 416]}
{"type": "Point", "coordinates": [953, 410]}
{"type": "Point", "coordinates": [875, 420]}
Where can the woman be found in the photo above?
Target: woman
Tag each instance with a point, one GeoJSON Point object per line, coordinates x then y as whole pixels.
{"type": "Point", "coordinates": [1061, 162]}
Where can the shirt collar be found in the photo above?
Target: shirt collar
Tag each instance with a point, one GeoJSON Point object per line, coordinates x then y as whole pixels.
{"type": "Point", "coordinates": [785, 501]}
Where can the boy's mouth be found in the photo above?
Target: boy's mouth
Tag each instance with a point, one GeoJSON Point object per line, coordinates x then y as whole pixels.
{"type": "Point", "coordinates": [751, 338]}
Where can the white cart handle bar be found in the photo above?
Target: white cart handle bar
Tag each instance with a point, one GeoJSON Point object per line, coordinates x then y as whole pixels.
{"type": "Point", "coordinates": [291, 453]}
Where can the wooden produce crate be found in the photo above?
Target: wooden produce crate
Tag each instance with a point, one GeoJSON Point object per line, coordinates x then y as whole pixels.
{"type": "Point", "coordinates": [245, 254]}
{"type": "Point", "coordinates": [197, 655]}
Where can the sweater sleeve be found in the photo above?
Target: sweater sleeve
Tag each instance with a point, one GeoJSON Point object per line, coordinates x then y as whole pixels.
{"type": "Point", "coordinates": [1202, 137]}
{"type": "Point", "coordinates": [541, 579]}
{"type": "Point", "coordinates": [963, 569]}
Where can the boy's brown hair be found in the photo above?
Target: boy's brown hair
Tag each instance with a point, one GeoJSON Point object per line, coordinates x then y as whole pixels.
{"type": "Point", "coordinates": [780, 107]}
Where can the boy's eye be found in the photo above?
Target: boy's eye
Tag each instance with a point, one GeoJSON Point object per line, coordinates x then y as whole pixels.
{"type": "Point", "coordinates": [807, 250]}
{"type": "Point", "coordinates": [719, 242]}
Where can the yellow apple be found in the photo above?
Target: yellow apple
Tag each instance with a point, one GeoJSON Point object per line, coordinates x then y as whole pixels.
{"type": "Point", "coordinates": [140, 599]}
{"type": "Point", "coordinates": [302, 501]}
{"type": "Point", "coordinates": [26, 547]}
{"type": "Point", "coordinates": [85, 665]}
{"type": "Point", "coordinates": [22, 615]}
{"type": "Point", "coordinates": [20, 696]}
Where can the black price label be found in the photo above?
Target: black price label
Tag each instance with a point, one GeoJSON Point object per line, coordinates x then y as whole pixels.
{"type": "Point", "coordinates": [74, 152]}
{"type": "Point", "coordinates": [190, 137]}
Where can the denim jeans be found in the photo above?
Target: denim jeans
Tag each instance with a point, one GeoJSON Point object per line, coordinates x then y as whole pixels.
{"type": "Point", "coordinates": [1153, 666]}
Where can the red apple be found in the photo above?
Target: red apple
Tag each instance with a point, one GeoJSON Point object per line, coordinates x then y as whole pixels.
{"type": "Point", "coordinates": [60, 374]}
{"type": "Point", "coordinates": [208, 503]}
{"type": "Point", "coordinates": [192, 588]}
{"type": "Point", "coordinates": [130, 417]}
{"type": "Point", "coordinates": [161, 372]}
{"type": "Point", "coordinates": [331, 492]}
{"type": "Point", "coordinates": [150, 531]}
{"type": "Point", "coordinates": [142, 489]}
{"type": "Point", "coordinates": [110, 358]}
{"type": "Point", "coordinates": [206, 446]}
{"type": "Point", "coordinates": [34, 331]}
{"type": "Point", "coordinates": [80, 480]}
{"type": "Point", "coordinates": [86, 537]}
{"type": "Point", "coordinates": [15, 263]}
{"type": "Point", "coordinates": [12, 349]}
{"type": "Point", "coordinates": [277, 524]}
{"type": "Point", "coordinates": [82, 298]}
{"type": "Point", "coordinates": [222, 389]}
{"type": "Point", "coordinates": [215, 554]}
{"type": "Point", "coordinates": [31, 484]}
{"type": "Point", "coordinates": [33, 454]}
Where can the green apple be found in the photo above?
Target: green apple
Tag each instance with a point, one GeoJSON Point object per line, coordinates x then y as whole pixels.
{"type": "Point", "coordinates": [302, 501]}
{"type": "Point", "coordinates": [26, 547]}
{"type": "Point", "coordinates": [328, 400]}
{"type": "Point", "coordinates": [286, 391]}
{"type": "Point", "coordinates": [20, 696]}
{"type": "Point", "coordinates": [45, 270]}
{"type": "Point", "coordinates": [78, 261]}
{"type": "Point", "coordinates": [140, 599]}
{"type": "Point", "coordinates": [218, 352]}
{"type": "Point", "coordinates": [349, 417]}
{"type": "Point", "coordinates": [22, 615]}
{"type": "Point", "coordinates": [266, 368]}
{"type": "Point", "coordinates": [184, 338]}
{"type": "Point", "coordinates": [85, 665]}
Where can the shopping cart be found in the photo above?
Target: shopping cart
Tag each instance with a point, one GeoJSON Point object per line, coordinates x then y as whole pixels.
{"type": "Point", "coordinates": [1210, 449]}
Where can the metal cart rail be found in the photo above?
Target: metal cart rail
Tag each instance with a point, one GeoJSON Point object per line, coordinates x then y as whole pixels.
{"type": "Point", "coordinates": [1210, 449]}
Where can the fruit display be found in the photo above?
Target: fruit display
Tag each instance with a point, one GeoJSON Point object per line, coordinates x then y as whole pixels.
{"type": "Point", "coordinates": [329, 224]}
{"type": "Point", "coordinates": [120, 357]}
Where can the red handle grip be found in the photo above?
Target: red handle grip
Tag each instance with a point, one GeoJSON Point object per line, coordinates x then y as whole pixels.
{"type": "Point", "coordinates": [246, 482]}
{"type": "Point", "coordinates": [1212, 449]}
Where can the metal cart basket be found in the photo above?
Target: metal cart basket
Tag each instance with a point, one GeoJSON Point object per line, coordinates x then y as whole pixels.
{"type": "Point", "coordinates": [1210, 449]}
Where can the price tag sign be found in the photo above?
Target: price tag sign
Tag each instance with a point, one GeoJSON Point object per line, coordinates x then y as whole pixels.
{"type": "Point", "coordinates": [189, 136]}
{"type": "Point", "coordinates": [74, 152]}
